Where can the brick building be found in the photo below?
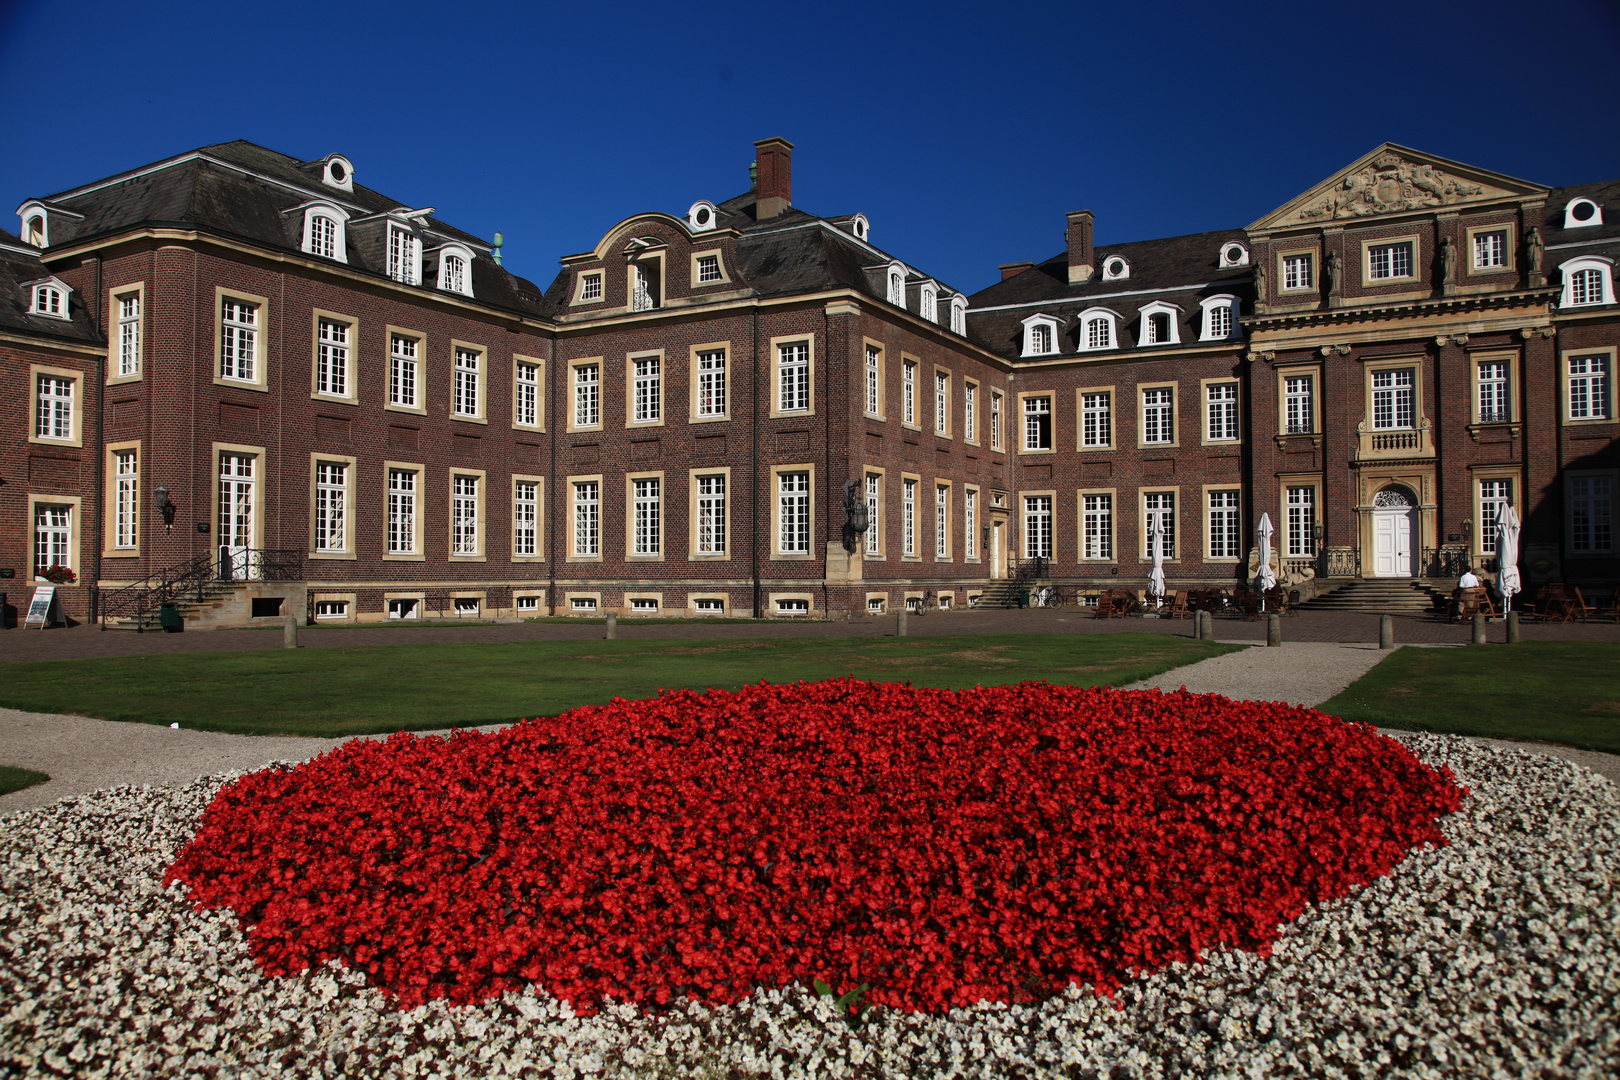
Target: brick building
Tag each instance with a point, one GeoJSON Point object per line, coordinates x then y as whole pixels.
{"type": "Point", "coordinates": [297, 395]}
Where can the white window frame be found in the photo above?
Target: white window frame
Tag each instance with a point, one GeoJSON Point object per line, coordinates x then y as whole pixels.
{"type": "Point", "coordinates": [959, 310]}
{"type": "Point", "coordinates": [585, 519]}
{"type": "Point", "coordinates": [928, 303]}
{"type": "Point", "coordinates": [1038, 526]}
{"type": "Point", "coordinates": [1096, 418]}
{"type": "Point", "coordinates": [1099, 330]}
{"type": "Point", "coordinates": [970, 523]}
{"type": "Point", "coordinates": [1299, 404]}
{"type": "Point", "coordinates": [1493, 381]}
{"type": "Point", "coordinates": [942, 403]}
{"type": "Point", "coordinates": [795, 529]}
{"type": "Point", "coordinates": [467, 387]}
{"type": "Point", "coordinates": [337, 219]}
{"type": "Point", "coordinates": [56, 406]}
{"type": "Point", "coordinates": [1159, 505]}
{"type": "Point", "coordinates": [527, 379]}
{"type": "Point", "coordinates": [1300, 520]}
{"type": "Point", "coordinates": [527, 498]}
{"type": "Point", "coordinates": [970, 411]}
{"type": "Point", "coordinates": [55, 535]}
{"type": "Point", "coordinates": [1490, 248]}
{"type": "Point", "coordinates": [705, 264]}
{"type": "Point", "coordinates": [646, 503]}
{"type": "Point", "coordinates": [334, 345]}
{"type": "Point", "coordinates": [241, 341]}
{"type": "Point", "coordinates": [1172, 315]}
{"type": "Point", "coordinates": [908, 517]}
{"type": "Point", "coordinates": [449, 279]}
{"type": "Point", "coordinates": [1389, 394]}
{"type": "Point", "coordinates": [1039, 436]}
{"type": "Point", "coordinates": [50, 298]}
{"type": "Point", "coordinates": [996, 407]}
{"type": "Point", "coordinates": [585, 395]}
{"type": "Point", "coordinates": [1158, 415]}
{"type": "Point", "coordinates": [1216, 310]}
{"type": "Point", "coordinates": [1589, 386]}
{"type": "Point", "coordinates": [1097, 526]}
{"type": "Point", "coordinates": [128, 309]}
{"type": "Point", "coordinates": [908, 392]}
{"type": "Point", "coordinates": [1492, 493]}
{"type": "Point", "coordinates": [1588, 297]}
{"type": "Point", "coordinates": [874, 380]}
{"type": "Point", "coordinates": [466, 514]}
{"type": "Point", "coordinates": [330, 511]}
{"type": "Point", "coordinates": [405, 371]}
{"type": "Point", "coordinates": [1383, 261]}
{"type": "Point", "coordinates": [1298, 271]}
{"type": "Point", "coordinates": [1040, 335]}
{"type": "Point", "coordinates": [942, 520]}
{"type": "Point", "coordinates": [793, 376]}
{"type": "Point", "coordinates": [402, 536]}
{"type": "Point", "coordinates": [646, 389]}
{"type": "Point", "coordinates": [590, 287]}
{"type": "Point", "coordinates": [874, 515]}
{"type": "Point", "coordinates": [1223, 421]}
{"type": "Point", "coordinates": [710, 382]}
{"type": "Point", "coordinates": [896, 290]}
{"type": "Point", "coordinates": [125, 481]}
{"type": "Point", "coordinates": [404, 254]}
{"type": "Point", "coordinates": [1223, 524]}
{"type": "Point", "coordinates": [1573, 222]}
{"type": "Point", "coordinates": [711, 523]}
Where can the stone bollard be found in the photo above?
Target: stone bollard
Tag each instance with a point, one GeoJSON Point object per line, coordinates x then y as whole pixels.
{"type": "Point", "coordinates": [1206, 624]}
{"type": "Point", "coordinates": [1198, 626]}
{"type": "Point", "coordinates": [1273, 630]}
{"type": "Point", "coordinates": [612, 625]}
{"type": "Point", "coordinates": [900, 622]}
{"type": "Point", "coordinates": [289, 633]}
{"type": "Point", "coordinates": [1386, 632]}
{"type": "Point", "coordinates": [1479, 628]}
{"type": "Point", "coordinates": [1513, 628]}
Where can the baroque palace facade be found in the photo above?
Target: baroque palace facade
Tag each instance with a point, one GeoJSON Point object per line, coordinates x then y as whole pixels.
{"type": "Point", "coordinates": [250, 374]}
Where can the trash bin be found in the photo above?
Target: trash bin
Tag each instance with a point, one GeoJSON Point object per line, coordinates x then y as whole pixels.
{"type": "Point", "coordinates": [169, 618]}
{"type": "Point", "coordinates": [1023, 598]}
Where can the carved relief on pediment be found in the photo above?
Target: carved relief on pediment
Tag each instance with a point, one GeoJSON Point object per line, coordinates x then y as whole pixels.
{"type": "Point", "coordinates": [1391, 184]}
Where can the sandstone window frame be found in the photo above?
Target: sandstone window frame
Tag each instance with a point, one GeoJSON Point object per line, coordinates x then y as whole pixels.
{"type": "Point", "coordinates": [126, 333]}
{"type": "Point", "coordinates": [575, 553]}
{"type": "Point", "coordinates": [694, 514]}
{"type": "Point", "coordinates": [346, 552]}
{"type": "Point", "coordinates": [1306, 285]}
{"type": "Point", "coordinates": [539, 482]}
{"type": "Point", "coordinates": [1473, 235]}
{"type": "Point", "coordinates": [479, 373]}
{"type": "Point", "coordinates": [648, 413]}
{"type": "Point", "coordinates": [113, 493]}
{"type": "Point", "coordinates": [1509, 359]}
{"type": "Point", "coordinates": [1142, 511]}
{"type": "Point", "coordinates": [259, 381]}
{"type": "Point", "coordinates": [697, 268]}
{"type": "Point", "coordinates": [401, 365]}
{"type": "Point", "coordinates": [874, 388]}
{"type": "Point", "coordinates": [1111, 418]}
{"type": "Point", "coordinates": [777, 345]}
{"type": "Point", "coordinates": [1205, 389]}
{"type": "Point", "coordinates": [1210, 491]}
{"type": "Point", "coordinates": [76, 381]}
{"type": "Point", "coordinates": [538, 383]}
{"type": "Point", "coordinates": [419, 473]}
{"type": "Point", "coordinates": [1414, 269]}
{"type": "Point", "coordinates": [1313, 373]}
{"type": "Point", "coordinates": [1142, 389]}
{"type": "Point", "coordinates": [1568, 376]}
{"type": "Point", "coordinates": [351, 350]}
{"type": "Point", "coordinates": [575, 387]}
{"type": "Point", "coordinates": [480, 552]}
{"type": "Point", "coordinates": [655, 530]}
{"type": "Point", "coordinates": [777, 550]}
{"type": "Point", "coordinates": [697, 375]}
{"type": "Point", "coordinates": [1108, 551]}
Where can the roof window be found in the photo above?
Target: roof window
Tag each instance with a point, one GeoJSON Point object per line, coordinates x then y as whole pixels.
{"type": "Point", "coordinates": [702, 217]}
{"type": "Point", "coordinates": [325, 232]}
{"type": "Point", "coordinates": [1116, 268]}
{"type": "Point", "coordinates": [49, 297]}
{"type": "Point", "coordinates": [1161, 324]}
{"type": "Point", "coordinates": [1220, 318]}
{"type": "Point", "coordinates": [1234, 254]}
{"type": "Point", "coordinates": [455, 269]}
{"type": "Point", "coordinates": [1040, 335]}
{"type": "Point", "coordinates": [337, 172]}
{"type": "Point", "coordinates": [1580, 213]}
{"type": "Point", "coordinates": [1099, 328]}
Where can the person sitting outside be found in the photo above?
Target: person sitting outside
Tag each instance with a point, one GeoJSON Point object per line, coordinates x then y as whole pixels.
{"type": "Point", "coordinates": [1469, 579]}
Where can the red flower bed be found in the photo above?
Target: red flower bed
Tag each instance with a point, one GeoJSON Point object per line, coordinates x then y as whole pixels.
{"type": "Point", "coordinates": [942, 846]}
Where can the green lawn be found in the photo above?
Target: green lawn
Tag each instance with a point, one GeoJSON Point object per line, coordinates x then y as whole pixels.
{"type": "Point", "coordinates": [414, 687]}
{"type": "Point", "coordinates": [1563, 692]}
{"type": "Point", "coordinates": [14, 779]}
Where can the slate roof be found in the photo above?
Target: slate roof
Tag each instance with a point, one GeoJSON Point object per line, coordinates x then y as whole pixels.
{"type": "Point", "coordinates": [1606, 193]}
{"type": "Point", "coordinates": [243, 191]}
{"type": "Point", "coordinates": [18, 265]}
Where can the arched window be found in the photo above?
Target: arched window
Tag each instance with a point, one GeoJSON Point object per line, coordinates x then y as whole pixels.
{"type": "Point", "coordinates": [897, 286]}
{"type": "Point", "coordinates": [325, 232]}
{"type": "Point", "coordinates": [1161, 324]}
{"type": "Point", "coordinates": [1098, 329]}
{"type": "Point", "coordinates": [1040, 335]}
{"type": "Point", "coordinates": [959, 315]}
{"type": "Point", "coordinates": [1220, 319]}
{"type": "Point", "coordinates": [928, 304]}
{"type": "Point", "coordinates": [1588, 280]}
{"type": "Point", "coordinates": [455, 269]}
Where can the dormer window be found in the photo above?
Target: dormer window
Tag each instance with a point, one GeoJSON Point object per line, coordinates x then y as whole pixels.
{"type": "Point", "coordinates": [590, 287]}
{"type": "Point", "coordinates": [1587, 280]}
{"type": "Point", "coordinates": [897, 286]}
{"type": "Point", "coordinates": [338, 172]}
{"type": "Point", "coordinates": [1234, 254]}
{"type": "Point", "coordinates": [1040, 335]}
{"type": "Point", "coordinates": [860, 227]}
{"type": "Point", "coordinates": [1220, 319]}
{"type": "Point", "coordinates": [1116, 268]}
{"type": "Point", "coordinates": [325, 232]}
{"type": "Point", "coordinates": [959, 315]}
{"type": "Point", "coordinates": [702, 216]}
{"type": "Point", "coordinates": [1161, 324]}
{"type": "Point", "coordinates": [404, 255]}
{"type": "Point", "coordinates": [928, 304]}
{"type": "Point", "coordinates": [1098, 329]}
{"type": "Point", "coordinates": [48, 298]}
{"type": "Point", "coordinates": [455, 269]}
{"type": "Point", "coordinates": [34, 230]}
{"type": "Point", "coordinates": [1582, 212]}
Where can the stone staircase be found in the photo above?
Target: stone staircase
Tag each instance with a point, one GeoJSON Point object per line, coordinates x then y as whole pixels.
{"type": "Point", "coordinates": [1000, 594]}
{"type": "Point", "coordinates": [217, 604]}
{"type": "Point", "coordinates": [1393, 596]}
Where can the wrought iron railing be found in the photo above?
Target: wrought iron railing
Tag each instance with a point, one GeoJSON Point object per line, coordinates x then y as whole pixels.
{"type": "Point", "coordinates": [1493, 416]}
{"type": "Point", "coordinates": [196, 580]}
{"type": "Point", "coordinates": [1341, 562]}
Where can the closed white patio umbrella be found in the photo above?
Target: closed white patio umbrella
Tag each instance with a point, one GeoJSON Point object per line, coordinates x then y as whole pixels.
{"type": "Point", "coordinates": [1507, 556]}
{"type": "Point", "coordinates": [1264, 579]}
{"type": "Point", "coordinates": [1156, 545]}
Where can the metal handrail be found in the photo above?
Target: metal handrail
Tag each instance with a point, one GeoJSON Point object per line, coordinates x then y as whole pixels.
{"type": "Point", "coordinates": [196, 576]}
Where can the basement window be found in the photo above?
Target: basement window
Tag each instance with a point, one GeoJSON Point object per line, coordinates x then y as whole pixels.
{"type": "Point", "coordinates": [526, 603]}
{"type": "Point", "coordinates": [645, 605]}
{"type": "Point", "coordinates": [709, 607]}
{"type": "Point", "coordinates": [403, 609]}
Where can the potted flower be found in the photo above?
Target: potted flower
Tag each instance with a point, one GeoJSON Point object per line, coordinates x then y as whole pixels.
{"type": "Point", "coordinates": [58, 575]}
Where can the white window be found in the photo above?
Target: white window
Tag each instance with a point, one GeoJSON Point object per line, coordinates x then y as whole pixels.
{"type": "Point", "coordinates": [466, 605]}
{"type": "Point", "coordinates": [928, 304]}
{"type": "Point", "coordinates": [1493, 496]}
{"type": "Point", "coordinates": [1589, 387]}
{"type": "Point", "coordinates": [942, 403]}
{"type": "Point", "coordinates": [1099, 332]}
{"type": "Point", "coordinates": [1220, 318]}
{"type": "Point", "coordinates": [587, 395]}
{"type": "Point", "coordinates": [1392, 399]}
{"type": "Point", "coordinates": [1587, 281]}
{"type": "Point", "coordinates": [525, 517]}
{"type": "Point", "coordinates": [126, 499]}
{"type": "Point", "coordinates": [49, 300]}
{"type": "Point", "coordinates": [644, 604]}
{"type": "Point", "coordinates": [1234, 255]}
{"type": "Point", "coordinates": [1160, 509]}
{"type": "Point", "coordinates": [1097, 418]}
{"type": "Point", "coordinates": [53, 533]}
{"type": "Point", "coordinates": [645, 293]}
{"type": "Point", "coordinates": [970, 412]}
{"type": "Point", "coordinates": [34, 231]}
{"type": "Point", "coordinates": [402, 371]}
{"type": "Point", "coordinates": [874, 386]}
{"type": "Point", "coordinates": [1298, 272]}
{"type": "Point", "coordinates": [590, 286]}
{"type": "Point", "coordinates": [1578, 213]}
{"type": "Point", "coordinates": [648, 391]}
{"type": "Point", "coordinates": [1116, 269]}
{"type": "Point", "coordinates": [647, 516]}
{"type": "Point", "coordinates": [1493, 392]}
{"type": "Point", "coordinates": [874, 605]}
{"type": "Point", "coordinates": [1225, 540]}
{"type": "Point", "coordinates": [708, 268]}
{"type": "Point", "coordinates": [897, 288]}
{"type": "Point", "coordinates": [526, 603]}
{"type": "Point", "coordinates": [1591, 515]}
{"type": "Point", "coordinates": [712, 383]}
{"type": "Point", "coordinates": [1098, 525]}
{"type": "Point", "coordinates": [466, 388]}
{"type": "Point", "coordinates": [995, 420]}
{"type": "Point", "coordinates": [711, 514]}
{"type": "Point", "coordinates": [464, 516]}
{"type": "Point", "coordinates": [1038, 526]}
{"type": "Point", "coordinates": [404, 255]}
{"type": "Point", "coordinates": [958, 315]}
{"type": "Point", "coordinates": [1159, 416]}
{"type": "Point", "coordinates": [587, 519]}
{"type": "Point", "coordinates": [331, 609]}
{"type": "Point", "coordinates": [1299, 404]}
{"type": "Point", "coordinates": [709, 606]}
{"type": "Point", "coordinates": [791, 606]}
{"type": "Point", "coordinates": [793, 376]}
{"type": "Point", "coordinates": [908, 392]}
{"type": "Point", "coordinates": [331, 506]}
{"type": "Point", "coordinates": [525, 394]}
{"type": "Point", "coordinates": [332, 359]}
{"type": "Point", "coordinates": [401, 512]}
{"type": "Point", "coordinates": [1040, 339]}
{"type": "Point", "coordinates": [970, 524]}
{"type": "Point", "coordinates": [1302, 522]}
{"type": "Point", "coordinates": [582, 603]}
{"type": "Point", "coordinates": [129, 335]}
{"type": "Point", "coordinates": [1490, 249]}
{"type": "Point", "coordinates": [455, 270]}
{"type": "Point", "coordinates": [874, 513]}
{"type": "Point", "coordinates": [908, 518]}
{"type": "Point", "coordinates": [793, 510]}
{"type": "Point", "coordinates": [1221, 403]}
{"type": "Point", "coordinates": [324, 233]}
{"type": "Point", "coordinates": [1158, 327]}
{"type": "Point", "coordinates": [1389, 261]}
{"type": "Point", "coordinates": [408, 608]}
{"type": "Point", "coordinates": [54, 415]}
{"type": "Point", "coordinates": [239, 339]}
{"type": "Point", "coordinates": [1038, 423]}
{"type": "Point", "coordinates": [942, 521]}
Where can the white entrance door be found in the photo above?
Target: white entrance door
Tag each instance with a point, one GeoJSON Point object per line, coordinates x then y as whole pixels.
{"type": "Point", "coordinates": [1392, 543]}
{"type": "Point", "coordinates": [995, 550]}
{"type": "Point", "coordinates": [235, 515]}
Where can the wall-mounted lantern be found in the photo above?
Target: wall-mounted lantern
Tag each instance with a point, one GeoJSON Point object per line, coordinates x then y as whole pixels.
{"type": "Point", "coordinates": [165, 507]}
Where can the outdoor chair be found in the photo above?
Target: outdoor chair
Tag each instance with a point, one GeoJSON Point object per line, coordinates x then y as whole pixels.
{"type": "Point", "coordinates": [1178, 606]}
{"type": "Point", "coordinates": [1293, 601]}
{"type": "Point", "coordinates": [1578, 606]}
{"type": "Point", "coordinates": [1251, 606]}
{"type": "Point", "coordinates": [1470, 602]}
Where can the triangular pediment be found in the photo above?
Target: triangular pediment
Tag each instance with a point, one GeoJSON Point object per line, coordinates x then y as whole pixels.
{"type": "Point", "coordinates": [1395, 180]}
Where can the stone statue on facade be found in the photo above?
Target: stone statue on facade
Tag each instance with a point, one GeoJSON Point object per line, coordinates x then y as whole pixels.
{"type": "Point", "coordinates": [1448, 266]}
{"type": "Point", "coordinates": [1259, 286]}
{"type": "Point", "coordinates": [1534, 250]}
{"type": "Point", "coordinates": [1331, 272]}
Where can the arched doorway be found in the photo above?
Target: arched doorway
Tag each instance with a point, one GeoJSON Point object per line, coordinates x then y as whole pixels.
{"type": "Point", "coordinates": [1394, 533]}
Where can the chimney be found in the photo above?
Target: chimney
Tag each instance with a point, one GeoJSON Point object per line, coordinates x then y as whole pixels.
{"type": "Point", "coordinates": [1081, 262]}
{"type": "Point", "coordinates": [1014, 269]}
{"type": "Point", "coordinates": [773, 190]}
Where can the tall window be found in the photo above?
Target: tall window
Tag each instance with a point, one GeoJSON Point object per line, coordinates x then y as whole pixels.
{"type": "Point", "coordinates": [1588, 387]}
{"type": "Point", "coordinates": [874, 514]}
{"type": "Point", "coordinates": [648, 390]}
{"type": "Point", "coordinates": [1158, 328]}
{"type": "Point", "coordinates": [525, 517]}
{"type": "Point", "coordinates": [239, 335]}
{"type": "Point", "coordinates": [466, 395]}
{"type": "Point", "coordinates": [1225, 542]}
{"type": "Point", "coordinates": [793, 510]}
{"type": "Point", "coordinates": [1099, 333]}
{"type": "Point", "coordinates": [1097, 418]}
{"type": "Point", "coordinates": [1302, 522]}
{"type": "Point", "coordinates": [874, 398]}
{"type": "Point", "coordinates": [126, 499]}
{"type": "Point", "coordinates": [464, 516]}
{"type": "Point", "coordinates": [1038, 526]}
{"type": "Point", "coordinates": [526, 394]}
{"type": "Point", "coordinates": [1392, 399]}
{"type": "Point", "coordinates": [897, 289]}
{"type": "Point", "coordinates": [1493, 496]}
{"type": "Point", "coordinates": [1297, 272]}
{"type": "Point", "coordinates": [908, 392]}
{"type": "Point", "coordinates": [332, 359]}
{"type": "Point", "coordinates": [322, 236]}
{"type": "Point", "coordinates": [1591, 514]}
{"type": "Point", "coordinates": [712, 383]}
{"type": "Point", "coordinates": [54, 418]}
{"type": "Point", "coordinates": [401, 512]}
{"type": "Point", "coordinates": [587, 518]}
{"type": "Point", "coordinates": [1222, 404]}
{"type": "Point", "coordinates": [1038, 423]}
{"type": "Point", "coordinates": [331, 510]}
{"type": "Point", "coordinates": [942, 521]}
{"type": "Point", "coordinates": [1220, 322]}
{"type": "Point", "coordinates": [970, 524]}
{"type": "Point", "coordinates": [129, 335]}
{"type": "Point", "coordinates": [453, 275]}
{"type": "Point", "coordinates": [1493, 392]}
{"type": "Point", "coordinates": [711, 514]}
{"type": "Point", "coordinates": [1586, 287]}
{"type": "Point", "coordinates": [1159, 415]}
{"type": "Point", "coordinates": [1299, 392]}
{"type": "Point", "coordinates": [970, 412]}
{"type": "Point", "coordinates": [53, 530]}
{"type": "Point", "coordinates": [647, 516]}
{"type": "Point", "coordinates": [942, 403]}
{"type": "Point", "coordinates": [402, 371]}
{"type": "Point", "coordinates": [995, 420]}
{"type": "Point", "coordinates": [1389, 261]}
{"type": "Point", "coordinates": [908, 517]}
{"type": "Point", "coordinates": [1040, 338]}
{"type": "Point", "coordinates": [1490, 249]}
{"type": "Point", "coordinates": [1098, 525]}
{"type": "Point", "coordinates": [1160, 507]}
{"type": "Point", "coordinates": [587, 395]}
{"type": "Point", "coordinates": [793, 376]}
{"type": "Point", "coordinates": [403, 264]}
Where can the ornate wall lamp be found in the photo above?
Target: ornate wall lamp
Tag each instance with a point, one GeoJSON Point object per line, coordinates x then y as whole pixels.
{"type": "Point", "coordinates": [165, 507]}
{"type": "Point", "coordinates": [857, 519]}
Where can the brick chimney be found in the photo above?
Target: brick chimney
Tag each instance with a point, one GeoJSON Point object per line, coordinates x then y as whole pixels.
{"type": "Point", "coordinates": [1009, 270]}
{"type": "Point", "coordinates": [1081, 260]}
{"type": "Point", "coordinates": [773, 190]}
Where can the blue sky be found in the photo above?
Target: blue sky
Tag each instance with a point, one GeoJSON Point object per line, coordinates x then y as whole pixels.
{"type": "Point", "coordinates": [963, 131]}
